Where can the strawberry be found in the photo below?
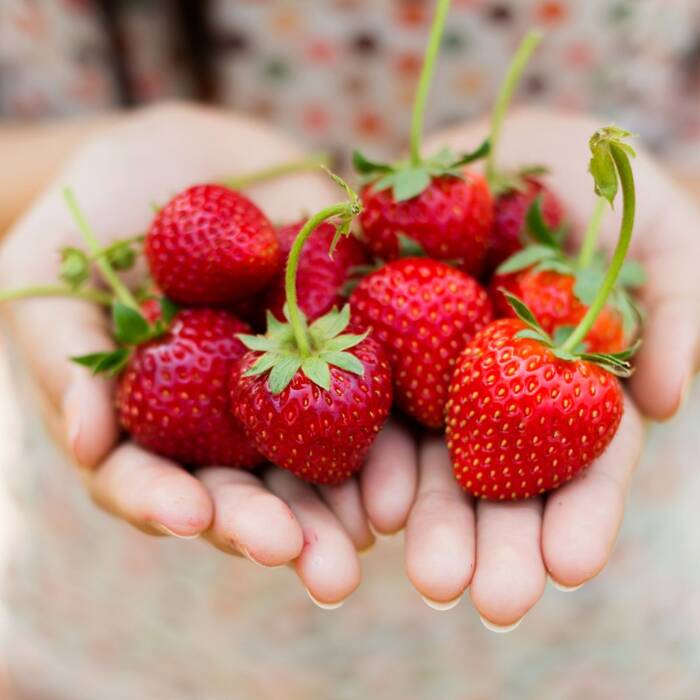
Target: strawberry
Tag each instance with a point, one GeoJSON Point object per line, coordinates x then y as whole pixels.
{"type": "Point", "coordinates": [510, 209]}
{"type": "Point", "coordinates": [320, 277]}
{"type": "Point", "coordinates": [424, 312]}
{"type": "Point", "coordinates": [528, 411]}
{"type": "Point", "coordinates": [450, 219]}
{"type": "Point", "coordinates": [520, 420]}
{"type": "Point", "coordinates": [173, 394]}
{"type": "Point", "coordinates": [211, 246]}
{"type": "Point", "coordinates": [312, 398]}
{"type": "Point", "coordinates": [319, 432]}
{"type": "Point", "coordinates": [550, 295]}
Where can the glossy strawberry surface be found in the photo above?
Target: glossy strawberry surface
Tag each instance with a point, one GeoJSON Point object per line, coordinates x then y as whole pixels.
{"type": "Point", "coordinates": [173, 396]}
{"type": "Point", "coordinates": [510, 209]}
{"type": "Point", "coordinates": [424, 312]}
{"type": "Point", "coordinates": [320, 277]}
{"type": "Point", "coordinates": [550, 296]}
{"type": "Point", "coordinates": [521, 421]}
{"type": "Point", "coordinates": [451, 220]}
{"type": "Point", "coordinates": [320, 436]}
{"type": "Point", "coordinates": [211, 246]}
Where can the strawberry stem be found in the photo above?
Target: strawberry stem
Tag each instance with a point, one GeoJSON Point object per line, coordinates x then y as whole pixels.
{"type": "Point", "coordinates": [624, 171]}
{"type": "Point", "coordinates": [110, 276]}
{"type": "Point", "coordinates": [510, 82]}
{"type": "Point", "coordinates": [107, 250]}
{"type": "Point", "coordinates": [94, 295]}
{"type": "Point", "coordinates": [590, 239]}
{"type": "Point", "coordinates": [296, 317]}
{"type": "Point", "coordinates": [426, 75]}
{"type": "Point", "coordinates": [311, 162]}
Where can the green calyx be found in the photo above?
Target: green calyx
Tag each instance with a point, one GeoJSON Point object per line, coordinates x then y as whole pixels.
{"type": "Point", "coordinates": [407, 179]}
{"type": "Point", "coordinates": [294, 346]}
{"type": "Point", "coordinates": [328, 345]}
{"type": "Point", "coordinates": [615, 363]}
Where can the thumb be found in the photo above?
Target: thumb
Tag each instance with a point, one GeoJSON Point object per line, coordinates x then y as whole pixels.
{"type": "Point", "coordinates": [50, 332]}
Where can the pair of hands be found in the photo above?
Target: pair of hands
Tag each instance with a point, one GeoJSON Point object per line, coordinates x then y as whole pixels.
{"type": "Point", "coordinates": [502, 551]}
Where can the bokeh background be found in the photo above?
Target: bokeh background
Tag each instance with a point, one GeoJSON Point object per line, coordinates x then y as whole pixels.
{"type": "Point", "coordinates": [92, 610]}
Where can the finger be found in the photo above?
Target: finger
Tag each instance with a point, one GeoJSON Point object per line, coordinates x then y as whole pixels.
{"type": "Point", "coordinates": [51, 332]}
{"type": "Point", "coordinates": [151, 493]}
{"type": "Point", "coordinates": [388, 480]}
{"type": "Point", "coordinates": [510, 575]}
{"type": "Point", "coordinates": [249, 519]}
{"type": "Point", "coordinates": [328, 565]}
{"type": "Point", "coordinates": [440, 530]}
{"type": "Point", "coordinates": [346, 503]}
{"type": "Point", "coordinates": [582, 519]}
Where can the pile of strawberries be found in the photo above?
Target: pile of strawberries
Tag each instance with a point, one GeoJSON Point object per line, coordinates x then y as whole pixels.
{"type": "Point", "coordinates": [437, 291]}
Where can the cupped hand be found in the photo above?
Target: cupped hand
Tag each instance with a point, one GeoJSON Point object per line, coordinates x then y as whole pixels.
{"type": "Point", "coordinates": [271, 518]}
{"type": "Point", "coordinates": [503, 552]}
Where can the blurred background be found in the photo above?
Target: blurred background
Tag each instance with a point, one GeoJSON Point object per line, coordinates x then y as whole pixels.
{"type": "Point", "coordinates": [82, 614]}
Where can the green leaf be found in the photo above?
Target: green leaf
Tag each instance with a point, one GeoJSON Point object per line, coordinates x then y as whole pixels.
{"type": "Point", "coordinates": [558, 264]}
{"type": "Point", "coordinates": [75, 267]}
{"type": "Point", "coordinates": [534, 170]}
{"type": "Point", "coordinates": [365, 166]}
{"type": "Point", "coordinates": [410, 183]}
{"type": "Point", "coordinates": [261, 343]}
{"type": "Point", "coordinates": [130, 327]}
{"type": "Point", "coordinates": [317, 371]}
{"type": "Point", "coordinates": [384, 182]}
{"type": "Point", "coordinates": [526, 258]}
{"type": "Point", "coordinates": [523, 312]}
{"type": "Point", "coordinates": [344, 342]}
{"type": "Point", "coordinates": [168, 310]}
{"type": "Point", "coordinates": [588, 282]}
{"type": "Point", "coordinates": [632, 274]}
{"type": "Point", "coordinates": [110, 363]}
{"type": "Point", "coordinates": [536, 225]}
{"type": "Point", "coordinates": [331, 324]}
{"type": "Point", "coordinates": [282, 373]}
{"type": "Point", "coordinates": [532, 334]}
{"type": "Point", "coordinates": [262, 364]}
{"type": "Point", "coordinates": [561, 334]}
{"type": "Point", "coordinates": [343, 360]}
{"type": "Point", "coordinates": [480, 152]}
{"type": "Point", "coordinates": [631, 315]}
{"type": "Point", "coordinates": [409, 247]}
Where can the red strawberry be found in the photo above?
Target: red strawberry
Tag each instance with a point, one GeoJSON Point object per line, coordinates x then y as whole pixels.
{"type": "Point", "coordinates": [211, 245]}
{"type": "Point", "coordinates": [510, 209]}
{"type": "Point", "coordinates": [550, 296]}
{"type": "Point", "coordinates": [320, 435]}
{"type": "Point", "coordinates": [424, 312]}
{"type": "Point", "coordinates": [450, 219]}
{"type": "Point", "coordinates": [320, 277]}
{"type": "Point", "coordinates": [520, 420]}
{"type": "Point", "coordinates": [173, 395]}
{"type": "Point", "coordinates": [310, 396]}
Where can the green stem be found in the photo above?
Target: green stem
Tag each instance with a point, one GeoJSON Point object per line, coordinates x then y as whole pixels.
{"type": "Point", "coordinates": [510, 82]}
{"type": "Point", "coordinates": [118, 287]}
{"type": "Point", "coordinates": [590, 239]}
{"type": "Point", "coordinates": [297, 166]}
{"type": "Point", "coordinates": [624, 170]}
{"type": "Point", "coordinates": [426, 75]}
{"type": "Point", "coordinates": [296, 318]}
{"type": "Point", "coordinates": [94, 295]}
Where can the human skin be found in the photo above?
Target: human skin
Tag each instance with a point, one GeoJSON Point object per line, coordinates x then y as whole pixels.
{"type": "Point", "coordinates": [503, 552]}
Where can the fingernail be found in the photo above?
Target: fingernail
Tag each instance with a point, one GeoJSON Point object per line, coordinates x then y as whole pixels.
{"type": "Point", "coordinates": [499, 629]}
{"type": "Point", "coordinates": [563, 588]}
{"type": "Point", "coordinates": [324, 606]}
{"type": "Point", "coordinates": [381, 535]}
{"type": "Point", "coordinates": [244, 551]}
{"type": "Point", "coordinates": [168, 531]}
{"type": "Point", "coordinates": [441, 605]}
